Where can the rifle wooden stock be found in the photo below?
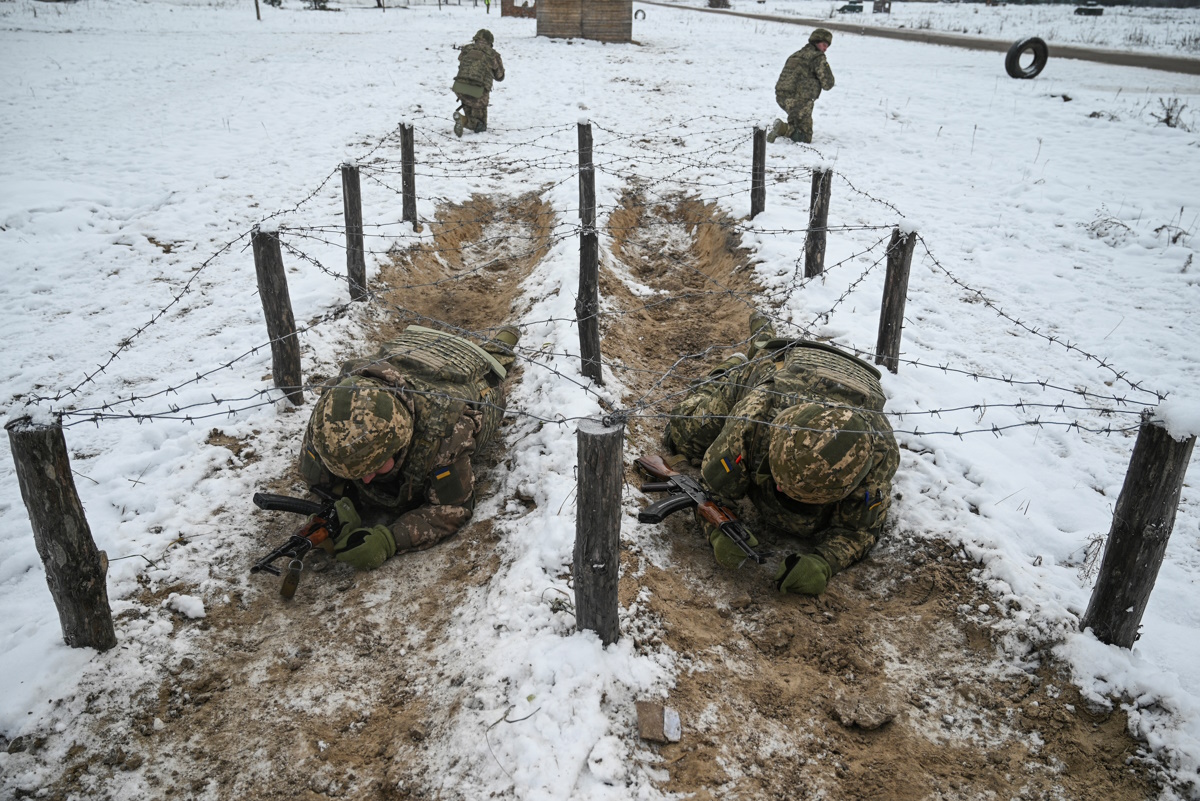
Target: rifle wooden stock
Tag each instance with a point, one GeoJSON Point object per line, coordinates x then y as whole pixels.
{"type": "Point", "coordinates": [655, 466]}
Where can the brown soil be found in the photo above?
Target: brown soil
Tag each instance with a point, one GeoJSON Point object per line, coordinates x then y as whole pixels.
{"type": "Point", "coordinates": [889, 686]}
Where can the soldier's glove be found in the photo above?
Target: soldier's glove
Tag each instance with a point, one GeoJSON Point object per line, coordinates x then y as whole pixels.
{"type": "Point", "coordinates": [347, 515]}
{"type": "Point", "coordinates": [805, 574]}
{"type": "Point", "coordinates": [364, 548]}
{"type": "Point", "coordinates": [726, 551]}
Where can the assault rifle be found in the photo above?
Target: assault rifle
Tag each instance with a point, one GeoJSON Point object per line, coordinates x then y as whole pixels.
{"type": "Point", "coordinates": [686, 492]}
{"type": "Point", "coordinates": [321, 526]}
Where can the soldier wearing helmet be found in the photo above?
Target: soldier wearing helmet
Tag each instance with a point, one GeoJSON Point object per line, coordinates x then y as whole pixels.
{"type": "Point", "coordinates": [393, 436]}
{"type": "Point", "coordinates": [800, 83]}
{"type": "Point", "coordinates": [478, 65]}
{"type": "Point", "coordinates": [797, 427]}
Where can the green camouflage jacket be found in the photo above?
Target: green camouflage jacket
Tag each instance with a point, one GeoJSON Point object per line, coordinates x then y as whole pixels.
{"type": "Point", "coordinates": [803, 77]}
{"type": "Point", "coordinates": [479, 64]}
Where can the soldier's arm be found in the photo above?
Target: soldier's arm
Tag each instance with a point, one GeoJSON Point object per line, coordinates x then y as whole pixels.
{"type": "Point", "coordinates": [699, 418]}
{"type": "Point", "coordinates": [824, 73]}
{"type": "Point", "coordinates": [726, 467]}
{"type": "Point", "coordinates": [449, 494]}
{"type": "Point", "coordinates": [498, 67]}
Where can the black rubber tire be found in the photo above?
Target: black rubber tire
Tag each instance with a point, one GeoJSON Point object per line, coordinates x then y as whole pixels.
{"type": "Point", "coordinates": [1012, 61]}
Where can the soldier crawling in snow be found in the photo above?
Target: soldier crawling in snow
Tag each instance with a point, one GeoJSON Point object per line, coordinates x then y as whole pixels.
{"type": "Point", "coordinates": [798, 428]}
{"type": "Point", "coordinates": [393, 437]}
{"type": "Point", "coordinates": [800, 83]}
{"type": "Point", "coordinates": [478, 66]}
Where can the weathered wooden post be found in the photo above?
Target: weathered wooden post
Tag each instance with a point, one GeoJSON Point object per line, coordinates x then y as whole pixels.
{"type": "Point", "coordinates": [598, 527]}
{"type": "Point", "coordinates": [75, 569]}
{"type": "Point", "coordinates": [1142, 524]}
{"type": "Point", "coordinates": [277, 307]}
{"type": "Point", "coordinates": [587, 304]}
{"type": "Point", "coordinates": [758, 173]}
{"type": "Point", "coordinates": [356, 264]}
{"type": "Point", "coordinates": [408, 176]}
{"type": "Point", "coordinates": [818, 223]}
{"type": "Point", "coordinates": [895, 294]}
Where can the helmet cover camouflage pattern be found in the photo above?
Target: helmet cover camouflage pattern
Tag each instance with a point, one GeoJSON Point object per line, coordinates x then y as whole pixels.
{"type": "Point", "coordinates": [485, 35]}
{"type": "Point", "coordinates": [358, 425]}
{"type": "Point", "coordinates": [821, 35]}
{"type": "Point", "coordinates": [818, 453]}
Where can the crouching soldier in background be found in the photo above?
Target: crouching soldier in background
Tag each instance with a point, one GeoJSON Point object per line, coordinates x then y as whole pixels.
{"type": "Point", "coordinates": [478, 65]}
{"type": "Point", "coordinates": [394, 436]}
{"type": "Point", "coordinates": [800, 83]}
{"type": "Point", "coordinates": [798, 428]}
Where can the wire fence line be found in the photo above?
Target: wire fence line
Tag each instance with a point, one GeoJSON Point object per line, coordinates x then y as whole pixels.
{"type": "Point", "coordinates": [706, 176]}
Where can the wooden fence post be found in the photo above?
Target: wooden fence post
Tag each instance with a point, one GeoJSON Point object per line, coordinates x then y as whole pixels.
{"type": "Point", "coordinates": [1142, 524]}
{"type": "Point", "coordinates": [75, 569]}
{"type": "Point", "coordinates": [818, 223]}
{"type": "Point", "coordinates": [758, 174]}
{"type": "Point", "coordinates": [356, 264]}
{"type": "Point", "coordinates": [587, 304]}
{"type": "Point", "coordinates": [277, 307]}
{"type": "Point", "coordinates": [895, 294]}
{"type": "Point", "coordinates": [598, 527]}
{"type": "Point", "coordinates": [408, 174]}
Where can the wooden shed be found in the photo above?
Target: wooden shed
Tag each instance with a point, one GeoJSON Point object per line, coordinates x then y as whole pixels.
{"type": "Point", "coordinates": [602, 20]}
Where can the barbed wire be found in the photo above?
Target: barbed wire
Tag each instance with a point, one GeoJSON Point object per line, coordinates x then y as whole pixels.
{"type": "Point", "coordinates": [667, 191]}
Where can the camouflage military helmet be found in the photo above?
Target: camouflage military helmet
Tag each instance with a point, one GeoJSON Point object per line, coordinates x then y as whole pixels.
{"type": "Point", "coordinates": [818, 453]}
{"type": "Point", "coordinates": [485, 35]}
{"type": "Point", "coordinates": [821, 35]}
{"type": "Point", "coordinates": [358, 425]}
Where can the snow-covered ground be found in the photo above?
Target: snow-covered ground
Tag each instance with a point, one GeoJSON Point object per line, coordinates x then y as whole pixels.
{"type": "Point", "coordinates": [142, 141]}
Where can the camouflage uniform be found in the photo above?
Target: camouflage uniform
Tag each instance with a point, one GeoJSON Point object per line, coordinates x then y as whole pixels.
{"type": "Point", "coordinates": [800, 83]}
{"type": "Point", "coordinates": [478, 65]}
{"type": "Point", "coordinates": [452, 392]}
{"type": "Point", "coordinates": [725, 426]}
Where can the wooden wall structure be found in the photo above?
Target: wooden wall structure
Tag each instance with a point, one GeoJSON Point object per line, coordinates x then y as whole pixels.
{"type": "Point", "coordinates": [509, 8]}
{"type": "Point", "coordinates": [602, 20]}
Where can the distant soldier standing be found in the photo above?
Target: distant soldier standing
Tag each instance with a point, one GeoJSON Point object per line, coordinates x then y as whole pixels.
{"type": "Point", "coordinates": [798, 428]}
{"type": "Point", "coordinates": [804, 75]}
{"type": "Point", "coordinates": [478, 66]}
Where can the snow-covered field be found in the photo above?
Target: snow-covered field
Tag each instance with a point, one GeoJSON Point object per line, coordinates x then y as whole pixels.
{"type": "Point", "coordinates": [142, 141]}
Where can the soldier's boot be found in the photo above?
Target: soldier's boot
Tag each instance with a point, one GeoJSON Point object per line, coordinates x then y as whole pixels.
{"type": "Point", "coordinates": [735, 360]}
{"type": "Point", "coordinates": [510, 335]}
{"type": "Point", "coordinates": [780, 128]}
{"type": "Point", "coordinates": [503, 345]}
{"type": "Point", "coordinates": [802, 136]}
{"type": "Point", "coordinates": [459, 123]}
{"type": "Point", "coordinates": [762, 331]}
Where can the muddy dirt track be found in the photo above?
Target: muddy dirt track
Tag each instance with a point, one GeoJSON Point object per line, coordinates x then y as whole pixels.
{"type": "Point", "coordinates": [886, 687]}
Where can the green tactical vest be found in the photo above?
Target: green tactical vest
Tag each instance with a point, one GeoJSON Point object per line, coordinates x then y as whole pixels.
{"type": "Point", "coordinates": [475, 65]}
{"type": "Point", "coordinates": [822, 372]}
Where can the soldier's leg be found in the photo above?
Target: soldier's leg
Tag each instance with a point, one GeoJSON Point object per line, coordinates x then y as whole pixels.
{"type": "Point", "coordinates": [483, 108]}
{"type": "Point", "coordinates": [762, 331]}
{"type": "Point", "coordinates": [460, 114]}
{"type": "Point", "coordinates": [699, 418]}
{"type": "Point", "coordinates": [476, 111]}
{"type": "Point", "coordinates": [801, 122]}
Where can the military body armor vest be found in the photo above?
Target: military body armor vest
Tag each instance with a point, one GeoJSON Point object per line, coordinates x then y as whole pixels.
{"type": "Point", "coordinates": [475, 65]}
{"type": "Point", "coordinates": [812, 370]}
